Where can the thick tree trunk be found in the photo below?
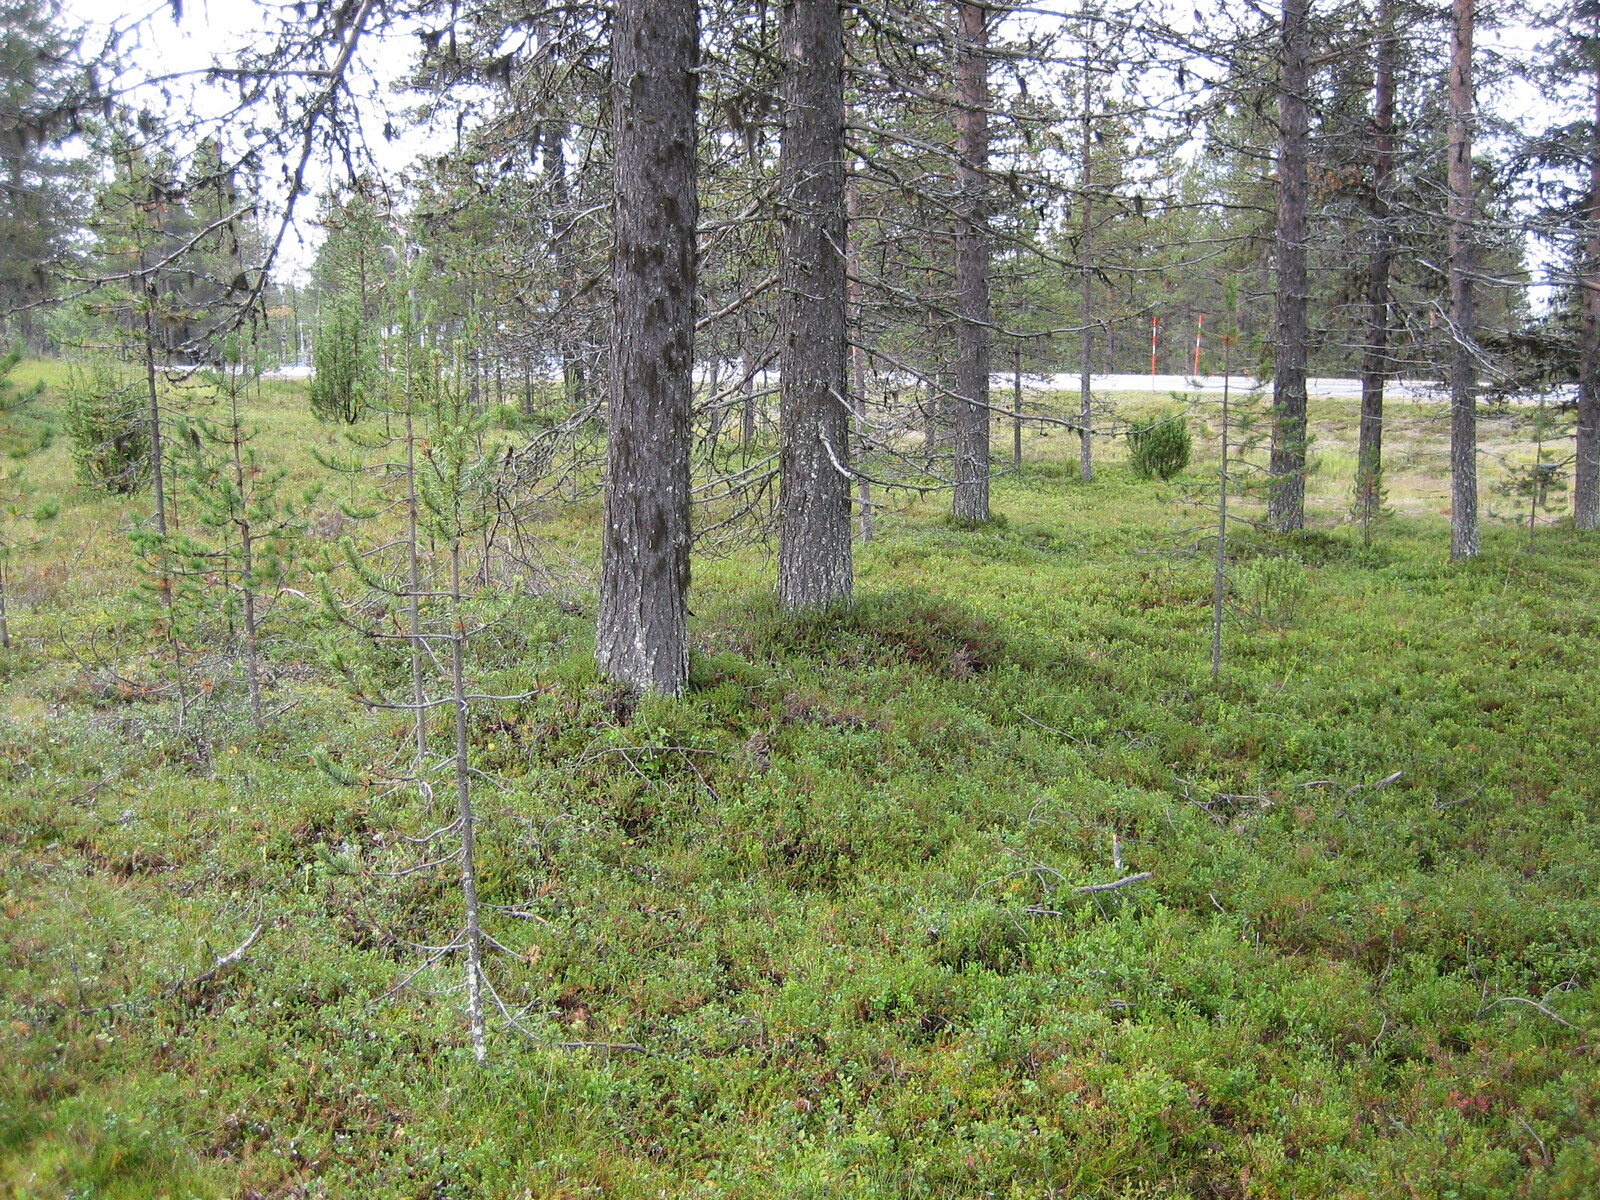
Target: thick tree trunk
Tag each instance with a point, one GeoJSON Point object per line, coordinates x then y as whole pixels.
{"type": "Point", "coordinates": [1375, 354]}
{"type": "Point", "coordinates": [1586, 472]}
{"type": "Point", "coordinates": [1286, 507]}
{"type": "Point", "coordinates": [814, 563]}
{"type": "Point", "coordinates": [970, 501]}
{"type": "Point", "coordinates": [1463, 297]}
{"type": "Point", "coordinates": [642, 637]}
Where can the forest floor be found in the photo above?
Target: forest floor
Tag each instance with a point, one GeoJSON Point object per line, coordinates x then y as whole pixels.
{"type": "Point", "coordinates": [818, 928]}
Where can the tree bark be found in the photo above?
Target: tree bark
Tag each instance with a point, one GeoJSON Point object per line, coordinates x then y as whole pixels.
{"type": "Point", "coordinates": [1586, 470]}
{"type": "Point", "coordinates": [814, 550]}
{"type": "Point", "coordinates": [642, 638]}
{"type": "Point", "coordinates": [970, 501]}
{"type": "Point", "coordinates": [1375, 354]}
{"type": "Point", "coordinates": [1286, 507]}
{"type": "Point", "coordinates": [1463, 297]}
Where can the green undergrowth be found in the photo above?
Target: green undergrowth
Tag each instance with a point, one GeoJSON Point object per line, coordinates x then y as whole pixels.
{"type": "Point", "coordinates": [818, 925]}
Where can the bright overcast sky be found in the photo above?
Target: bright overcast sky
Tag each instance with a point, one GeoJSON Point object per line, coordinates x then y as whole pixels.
{"type": "Point", "coordinates": [215, 30]}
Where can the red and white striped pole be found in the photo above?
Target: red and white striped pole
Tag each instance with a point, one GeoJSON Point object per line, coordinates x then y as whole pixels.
{"type": "Point", "coordinates": [1199, 334]}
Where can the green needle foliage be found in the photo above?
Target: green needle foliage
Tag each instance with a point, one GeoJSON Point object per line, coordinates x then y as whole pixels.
{"type": "Point", "coordinates": [219, 578]}
{"type": "Point", "coordinates": [23, 431]}
{"type": "Point", "coordinates": [1159, 447]}
{"type": "Point", "coordinates": [1369, 501]}
{"type": "Point", "coordinates": [108, 426]}
{"type": "Point", "coordinates": [344, 361]}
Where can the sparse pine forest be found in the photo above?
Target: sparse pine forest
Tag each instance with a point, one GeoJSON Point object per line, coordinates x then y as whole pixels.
{"type": "Point", "coordinates": [800, 600]}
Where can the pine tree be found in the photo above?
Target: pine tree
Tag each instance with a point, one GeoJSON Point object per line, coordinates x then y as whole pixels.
{"type": "Point", "coordinates": [642, 640]}
{"type": "Point", "coordinates": [814, 549]}
{"type": "Point", "coordinates": [43, 191]}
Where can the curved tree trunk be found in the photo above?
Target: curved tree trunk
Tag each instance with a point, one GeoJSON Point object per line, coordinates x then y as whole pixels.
{"type": "Point", "coordinates": [971, 433]}
{"type": "Point", "coordinates": [814, 553]}
{"type": "Point", "coordinates": [1286, 508]}
{"type": "Point", "coordinates": [642, 637]}
{"type": "Point", "coordinates": [1463, 296]}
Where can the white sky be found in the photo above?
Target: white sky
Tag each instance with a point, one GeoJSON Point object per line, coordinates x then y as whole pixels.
{"type": "Point", "coordinates": [215, 30]}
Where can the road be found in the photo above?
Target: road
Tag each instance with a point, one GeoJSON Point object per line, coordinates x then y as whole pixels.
{"type": "Point", "coordinates": [1162, 385]}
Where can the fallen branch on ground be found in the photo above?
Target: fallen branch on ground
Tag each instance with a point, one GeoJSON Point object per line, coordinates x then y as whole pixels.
{"type": "Point", "coordinates": [223, 962]}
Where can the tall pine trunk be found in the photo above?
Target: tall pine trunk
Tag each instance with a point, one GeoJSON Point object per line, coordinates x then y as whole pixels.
{"type": "Point", "coordinates": [642, 633]}
{"type": "Point", "coordinates": [1286, 508]}
{"type": "Point", "coordinates": [971, 425]}
{"type": "Point", "coordinates": [814, 551]}
{"type": "Point", "coordinates": [1463, 296]}
{"type": "Point", "coordinates": [1586, 473]}
{"type": "Point", "coordinates": [1375, 354]}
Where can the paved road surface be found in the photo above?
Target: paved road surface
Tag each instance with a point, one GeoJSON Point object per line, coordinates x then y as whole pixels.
{"type": "Point", "coordinates": [1159, 385]}
{"type": "Point", "coordinates": [1163, 385]}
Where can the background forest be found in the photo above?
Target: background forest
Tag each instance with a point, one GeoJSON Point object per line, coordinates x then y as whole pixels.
{"type": "Point", "coordinates": [1134, 734]}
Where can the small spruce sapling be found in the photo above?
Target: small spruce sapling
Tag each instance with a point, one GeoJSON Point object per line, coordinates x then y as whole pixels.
{"type": "Point", "coordinates": [455, 487]}
{"type": "Point", "coordinates": [246, 531]}
{"type": "Point", "coordinates": [1160, 447]}
{"type": "Point", "coordinates": [108, 430]}
{"type": "Point", "coordinates": [344, 363]}
{"type": "Point", "coordinates": [1538, 485]}
{"type": "Point", "coordinates": [1369, 502]}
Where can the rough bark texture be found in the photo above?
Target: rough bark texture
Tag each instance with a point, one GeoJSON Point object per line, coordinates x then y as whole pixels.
{"type": "Point", "coordinates": [1375, 354]}
{"type": "Point", "coordinates": [1586, 473]}
{"type": "Point", "coordinates": [970, 501]}
{"type": "Point", "coordinates": [642, 636]}
{"type": "Point", "coordinates": [1286, 508]}
{"type": "Point", "coordinates": [1463, 298]}
{"type": "Point", "coordinates": [814, 563]}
